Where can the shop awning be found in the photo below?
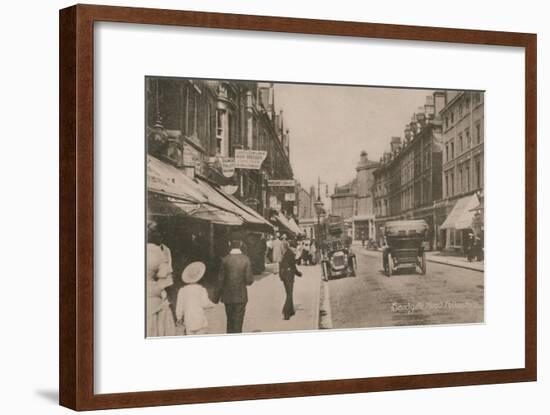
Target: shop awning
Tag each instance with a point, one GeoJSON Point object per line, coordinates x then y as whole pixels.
{"type": "Point", "coordinates": [462, 214]}
{"type": "Point", "coordinates": [255, 218]}
{"type": "Point", "coordinates": [295, 226]}
{"type": "Point", "coordinates": [218, 198]}
{"type": "Point", "coordinates": [159, 205]}
{"type": "Point", "coordinates": [288, 224]}
{"type": "Point", "coordinates": [175, 193]}
{"type": "Point", "coordinates": [165, 179]}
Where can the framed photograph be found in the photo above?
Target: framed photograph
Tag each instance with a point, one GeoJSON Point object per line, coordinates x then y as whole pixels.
{"type": "Point", "coordinates": [259, 207]}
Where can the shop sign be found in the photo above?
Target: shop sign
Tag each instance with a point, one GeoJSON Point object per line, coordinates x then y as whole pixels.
{"type": "Point", "coordinates": [290, 197]}
{"type": "Point", "coordinates": [227, 166]}
{"type": "Point", "coordinates": [249, 159]}
{"type": "Point", "coordinates": [274, 203]}
{"type": "Point", "coordinates": [192, 157]}
{"type": "Point", "coordinates": [281, 183]}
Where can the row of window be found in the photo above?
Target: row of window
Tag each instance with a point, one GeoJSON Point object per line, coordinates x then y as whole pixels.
{"type": "Point", "coordinates": [464, 105]}
{"type": "Point", "coordinates": [463, 141]}
{"type": "Point", "coordinates": [465, 181]}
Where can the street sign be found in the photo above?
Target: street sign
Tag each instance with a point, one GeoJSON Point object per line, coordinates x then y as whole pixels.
{"type": "Point", "coordinates": [281, 183]}
{"type": "Point", "coordinates": [290, 197]}
{"type": "Point", "coordinates": [249, 159]}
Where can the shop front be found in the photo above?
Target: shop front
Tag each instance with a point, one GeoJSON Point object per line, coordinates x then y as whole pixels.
{"type": "Point", "coordinates": [460, 223]}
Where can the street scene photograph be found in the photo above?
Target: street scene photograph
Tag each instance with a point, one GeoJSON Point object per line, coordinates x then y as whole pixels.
{"type": "Point", "coordinates": [277, 206]}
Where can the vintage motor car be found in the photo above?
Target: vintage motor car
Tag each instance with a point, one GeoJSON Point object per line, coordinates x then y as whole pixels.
{"type": "Point", "coordinates": [337, 257]}
{"type": "Point", "coordinates": [404, 246]}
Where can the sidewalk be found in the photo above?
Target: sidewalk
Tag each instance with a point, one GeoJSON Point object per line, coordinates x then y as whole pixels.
{"type": "Point", "coordinates": [437, 257]}
{"type": "Point", "coordinates": [265, 302]}
{"type": "Point", "coordinates": [455, 261]}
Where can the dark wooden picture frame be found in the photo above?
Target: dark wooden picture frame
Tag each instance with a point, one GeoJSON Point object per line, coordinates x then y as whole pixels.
{"type": "Point", "coordinates": [76, 120]}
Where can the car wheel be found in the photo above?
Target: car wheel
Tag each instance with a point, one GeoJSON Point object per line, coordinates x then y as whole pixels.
{"type": "Point", "coordinates": [391, 270]}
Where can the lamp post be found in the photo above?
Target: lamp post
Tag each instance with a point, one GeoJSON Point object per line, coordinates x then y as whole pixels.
{"type": "Point", "coordinates": [319, 208]}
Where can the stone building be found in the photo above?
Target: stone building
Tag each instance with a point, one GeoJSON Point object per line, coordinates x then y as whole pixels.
{"type": "Point", "coordinates": [363, 220]}
{"type": "Point", "coordinates": [343, 200]}
{"type": "Point", "coordinates": [460, 211]}
{"type": "Point", "coordinates": [408, 180]}
{"type": "Point", "coordinates": [354, 201]}
{"type": "Point", "coordinates": [196, 125]}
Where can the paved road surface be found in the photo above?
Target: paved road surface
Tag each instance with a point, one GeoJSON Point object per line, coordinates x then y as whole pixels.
{"type": "Point", "coordinates": [445, 295]}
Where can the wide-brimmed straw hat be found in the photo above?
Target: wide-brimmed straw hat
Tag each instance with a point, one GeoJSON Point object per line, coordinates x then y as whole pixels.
{"type": "Point", "coordinates": [193, 272]}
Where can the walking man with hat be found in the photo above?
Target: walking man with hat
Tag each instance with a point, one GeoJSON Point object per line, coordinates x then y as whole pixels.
{"type": "Point", "coordinates": [235, 275]}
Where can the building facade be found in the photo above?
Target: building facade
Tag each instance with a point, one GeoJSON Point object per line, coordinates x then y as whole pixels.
{"type": "Point", "coordinates": [196, 125]}
{"type": "Point", "coordinates": [343, 200]}
{"type": "Point", "coordinates": [462, 173]}
{"type": "Point", "coordinates": [354, 201]}
{"type": "Point", "coordinates": [409, 177]}
{"type": "Point", "coordinates": [363, 221]}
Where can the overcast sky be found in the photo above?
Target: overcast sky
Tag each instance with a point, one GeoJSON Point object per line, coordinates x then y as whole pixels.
{"type": "Point", "coordinates": [330, 125]}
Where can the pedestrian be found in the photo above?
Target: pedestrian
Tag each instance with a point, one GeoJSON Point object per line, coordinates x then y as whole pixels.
{"type": "Point", "coordinates": [287, 273]}
{"type": "Point", "coordinates": [160, 321]}
{"type": "Point", "coordinates": [313, 252]}
{"type": "Point", "coordinates": [478, 249]}
{"type": "Point", "coordinates": [277, 252]}
{"type": "Point", "coordinates": [193, 300]}
{"type": "Point", "coordinates": [234, 277]}
{"type": "Point", "coordinates": [363, 238]}
{"type": "Point", "coordinates": [269, 249]}
{"type": "Point", "coordinates": [470, 247]}
{"type": "Point", "coordinates": [299, 251]}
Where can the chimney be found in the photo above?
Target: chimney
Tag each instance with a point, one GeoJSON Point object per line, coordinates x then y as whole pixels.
{"type": "Point", "coordinates": [429, 107]}
{"type": "Point", "coordinates": [440, 100]}
{"type": "Point", "coordinates": [408, 134]}
{"type": "Point", "coordinates": [395, 144]}
{"type": "Point", "coordinates": [421, 116]}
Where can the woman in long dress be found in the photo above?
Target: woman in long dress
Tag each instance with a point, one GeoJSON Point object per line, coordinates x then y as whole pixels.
{"type": "Point", "coordinates": [160, 321]}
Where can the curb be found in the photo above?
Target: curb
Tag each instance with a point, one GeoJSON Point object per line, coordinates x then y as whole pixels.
{"type": "Point", "coordinates": [452, 264]}
{"type": "Point", "coordinates": [325, 312]}
{"type": "Point", "coordinates": [429, 259]}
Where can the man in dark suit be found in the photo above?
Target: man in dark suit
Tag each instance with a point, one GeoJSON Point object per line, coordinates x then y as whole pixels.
{"type": "Point", "coordinates": [287, 272]}
{"type": "Point", "coordinates": [235, 274]}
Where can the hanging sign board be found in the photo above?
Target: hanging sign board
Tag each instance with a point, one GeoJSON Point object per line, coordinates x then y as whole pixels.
{"type": "Point", "coordinates": [274, 203]}
{"type": "Point", "coordinates": [227, 166]}
{"type": "Point", "coordinates": [281, 183]}
{"type": "Point", "coordinates": [249, 159]}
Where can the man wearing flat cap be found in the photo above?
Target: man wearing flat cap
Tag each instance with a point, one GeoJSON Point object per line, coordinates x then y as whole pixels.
{"type": "Point", "coordinates": [235, 275]}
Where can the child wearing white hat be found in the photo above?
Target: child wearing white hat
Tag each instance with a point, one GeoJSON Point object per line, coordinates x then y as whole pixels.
{"type": "Point", "coordinates": [192, 300]}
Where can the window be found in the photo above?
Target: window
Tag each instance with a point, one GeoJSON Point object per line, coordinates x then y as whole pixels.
{"type": "Point", "coordinates": [219, 131]}
{"type": "Point", "coordinates": [452, 184]}
{"type": "Point", "coordinates": [447, 122]}
{"type": "Point", "coordinates": [468, 138]}
{"type": "Point", "coordinates": [452, 117]}
{"type": "Point", "coordinates": [478, 133]}
{"type": "Point", "coordinates": [460, 180]}
{"type": "Point", "coordinates": [478, 174]}
{"type": "Point", "coordinates": [460, 144]}
{"type": "Point", "coordinates": [452, 150]}
{"type": "Point", "coordinates": [447, 152]}
{"type": "Point", "coordinates": [446, 185]}
{"type": "Point", "coordinates": [191, 116]}
{"type": "Point", "coordinates": [467, 178]}
{"type": "Point", "coordinates": [477, 98]}
{"type": "Point", "coordinates": [460, 110]}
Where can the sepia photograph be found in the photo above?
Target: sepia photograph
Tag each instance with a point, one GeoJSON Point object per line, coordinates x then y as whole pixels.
{"type": "Point", "coordinates": [279, 206]}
